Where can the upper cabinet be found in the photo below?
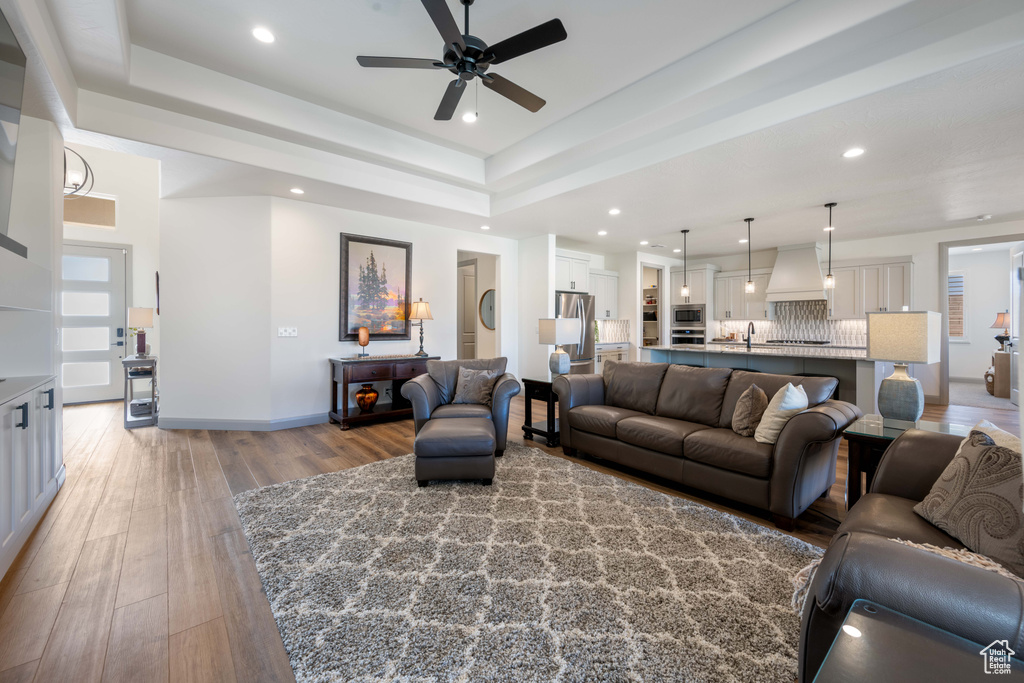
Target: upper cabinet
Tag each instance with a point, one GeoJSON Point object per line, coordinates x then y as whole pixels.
{"type": "Point", "coordinates": [572, 274]}
{"type": "Point", "coordinates": [733, 302]}
{"type": "Point", "coordinates": [863, 288]}
{"type": "Point", "coordinates": [604, 285]}
{"type": "Point", "coordinates": [701, 282]}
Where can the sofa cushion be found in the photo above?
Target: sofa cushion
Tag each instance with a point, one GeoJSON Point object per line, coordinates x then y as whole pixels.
{"type": "Point", "coordinates": [786, 404]}
{"type": "Point", "coordinates": [662, 434]}
{"type": "Point", "coordinates": [599, 419]}
{"type": "Point", "coordinates": [634, 386]}
{"type": "Point", "coordinates": [894, 517]}
{"type": "Point", "coordinates": [693, 394]}
{"type": "Point", "coordinates": [749, 410]}
{"type": "Point", "coordinates": [818, 389]}
{"type": "Point", "coordinates": [445, 373]}
{"type": "Point", "coordinates": [461, 410]}
{"type": "Point", "coordinates": [475, 386]}
{"type": "Point", "coordinates": [728, 450]}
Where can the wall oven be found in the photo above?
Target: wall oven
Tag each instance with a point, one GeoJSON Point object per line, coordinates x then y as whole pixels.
{"type": "Point", "coordinates": [690, 315]}
{"type": "Point", "coordinates": [687, 336]}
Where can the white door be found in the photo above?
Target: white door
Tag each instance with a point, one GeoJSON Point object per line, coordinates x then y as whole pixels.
{"type": "Point", "coordinates": [467, 312]}
{"type": "Point", "coordinates": [93, 315]}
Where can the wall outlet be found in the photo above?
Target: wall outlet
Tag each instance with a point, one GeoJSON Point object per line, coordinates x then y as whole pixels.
{"type": "Point", "coordinates": [287, 332]}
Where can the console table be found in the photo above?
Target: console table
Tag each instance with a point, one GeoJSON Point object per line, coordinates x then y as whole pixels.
{"type": "Point", "coordinates": [140, 412]}
{"type": "Point", "coordinates": [394, 369]}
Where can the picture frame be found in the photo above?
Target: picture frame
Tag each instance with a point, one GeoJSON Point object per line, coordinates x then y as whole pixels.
{"type": "Point", "coordinates": [376, 278]}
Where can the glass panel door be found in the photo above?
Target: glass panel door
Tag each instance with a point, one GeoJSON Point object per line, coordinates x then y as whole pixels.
{"type": "Point", "coordinates": [93, 315]}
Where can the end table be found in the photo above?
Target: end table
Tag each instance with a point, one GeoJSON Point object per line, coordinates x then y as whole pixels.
{"type": "Point", "coordinates": [140, 412]}
{"type": "Point", "coordinates": [540, 390]}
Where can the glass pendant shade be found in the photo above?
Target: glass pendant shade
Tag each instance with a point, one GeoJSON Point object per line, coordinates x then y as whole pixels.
{"type": "Point", "coordinates": [830, 281]}
{"type": "Point", "coordinates": [750, 289]}
{"type": "Point", "coordinates": [684, 290]}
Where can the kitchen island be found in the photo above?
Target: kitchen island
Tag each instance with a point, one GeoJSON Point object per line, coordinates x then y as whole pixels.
{"type": "Point", "coordinates": [858, 377]}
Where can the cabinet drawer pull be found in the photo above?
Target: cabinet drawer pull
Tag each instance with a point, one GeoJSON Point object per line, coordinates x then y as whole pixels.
{"type": "Point", "coordinates": [49, 405]}
{"type": "Point", "coordinates": [24, 416]}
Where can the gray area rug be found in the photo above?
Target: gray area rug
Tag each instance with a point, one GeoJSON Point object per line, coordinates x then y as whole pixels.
{"type": "Point", "coordinates": [974, 394]}
{"type": "Point", "coordinates": [554, 573]}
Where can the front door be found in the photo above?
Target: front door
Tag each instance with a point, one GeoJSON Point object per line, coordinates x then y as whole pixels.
{"type": "Point", "coordinates": [93, 323]}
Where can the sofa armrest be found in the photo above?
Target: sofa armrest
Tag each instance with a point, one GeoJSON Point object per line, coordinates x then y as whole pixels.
{"type": "Point", "coordinates": [973, 603]}
{"type": "Point", "coordinates": [506, 387]}
{"type": "Point", "coordinates": [804, 463]}
{"type": "Point", "coordinates": [425, 398]}
{"type": "Point", "coordinates": [913, 463]}
{"type": "Point", "coordinates": [572, 391]}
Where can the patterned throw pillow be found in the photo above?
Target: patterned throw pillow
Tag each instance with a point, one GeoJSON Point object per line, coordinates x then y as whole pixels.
{"type": "Point", "coordinates": [978, 501]}
{"type": "Point", "coordinates": [749, 409]}
{"type": "Point", "coordinates": [475, 386]}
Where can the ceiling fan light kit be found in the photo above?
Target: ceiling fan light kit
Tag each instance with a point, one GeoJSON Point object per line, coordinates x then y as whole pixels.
{"type": "Point", "coordinates": [469, 57]}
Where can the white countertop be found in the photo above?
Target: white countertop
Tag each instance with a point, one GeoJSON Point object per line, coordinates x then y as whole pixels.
{"type": "Point", "coordinates": [788, 351]}
{"type": "Point", "coordinates": [13, 387]}
{"type": "Point", "coordinates": [610, 343]}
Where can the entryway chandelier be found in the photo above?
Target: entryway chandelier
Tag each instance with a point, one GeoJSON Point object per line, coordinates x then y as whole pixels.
{"type": "Point", "coordinates": [78, 176]}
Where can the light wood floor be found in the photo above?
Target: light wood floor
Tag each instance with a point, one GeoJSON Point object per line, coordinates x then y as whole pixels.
{"type": "Point", "coordinates": [140, 572]}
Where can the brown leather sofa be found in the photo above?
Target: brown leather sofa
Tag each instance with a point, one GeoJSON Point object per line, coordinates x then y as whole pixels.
{"type": "Point", "coordinates": [862, 562]}
{"type": "Point", "coordinates": [675, 421]}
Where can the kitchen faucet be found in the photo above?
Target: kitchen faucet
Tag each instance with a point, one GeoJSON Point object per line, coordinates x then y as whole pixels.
{"type": "Point", "coordinates": [750, 334]}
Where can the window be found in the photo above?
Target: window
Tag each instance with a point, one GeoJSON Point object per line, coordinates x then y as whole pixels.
{"type": "Point", "coordinates": [957, 313]}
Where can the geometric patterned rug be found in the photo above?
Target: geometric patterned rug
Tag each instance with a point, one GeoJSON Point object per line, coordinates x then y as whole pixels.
{"type": "Point", "coordinates": [554, 573]}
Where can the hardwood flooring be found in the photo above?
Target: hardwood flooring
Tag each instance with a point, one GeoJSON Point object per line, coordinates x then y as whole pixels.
{"type": "Point", "coordinates": [139, 570]}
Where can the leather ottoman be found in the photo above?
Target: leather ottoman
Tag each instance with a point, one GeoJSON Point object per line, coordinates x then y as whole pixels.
{"type": "Point", "coordinates": [455, 448]}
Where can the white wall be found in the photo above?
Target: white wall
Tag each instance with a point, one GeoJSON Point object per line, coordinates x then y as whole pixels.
{"type": "Point", "coordinates": [987, 289]}
{"type": "Point", "coordinates": [135, 183]}
{"type": "Point", "coordinates": [536, 275]}
{"type": "Point", "coordinates": [487, 345]}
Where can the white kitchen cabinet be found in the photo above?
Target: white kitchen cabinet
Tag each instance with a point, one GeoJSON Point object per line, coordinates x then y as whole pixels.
{"type": "Point", "coordinates": [697, 279]}
{"type": "Point", "coordinates": [756, 305]}
{"type": "Point", "coordinates": [604, 286]}
{"type": "Point", "coordinates": [870, 288]}
{"type": "Point", "coordinates": [730, 298]}
{"type": "Point", "coordinates": [842, 300]}
{"type": "Point", "coordinates": [571, 274]}
{"type": "Point", "coordinates": [896, 285]}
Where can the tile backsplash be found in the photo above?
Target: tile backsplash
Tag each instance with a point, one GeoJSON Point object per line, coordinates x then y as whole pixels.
{"type": "Point", "coordinates": [804, 320]}
{"type": "Point", "coordinates": [613, 331]}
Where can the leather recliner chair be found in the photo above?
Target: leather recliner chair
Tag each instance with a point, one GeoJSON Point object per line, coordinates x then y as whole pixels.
{"type": "Point", "coordinates": [863, 562]}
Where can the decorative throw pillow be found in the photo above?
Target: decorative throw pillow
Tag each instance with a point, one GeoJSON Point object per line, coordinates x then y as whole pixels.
{"type": "Point", "coordinates": [787, 402]}
{"type": "Point", "coordinates": [475, 386]}
{"type": "Point", "coordinates": [749, 409]}
{"type": "Point", "coordinates": [978, 499]}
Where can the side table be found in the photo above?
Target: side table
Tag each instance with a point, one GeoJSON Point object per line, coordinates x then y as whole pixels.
{"type": "Point", "coordinates": [139, 412]}
{"type": "Point", "coordinates": [540, 390]}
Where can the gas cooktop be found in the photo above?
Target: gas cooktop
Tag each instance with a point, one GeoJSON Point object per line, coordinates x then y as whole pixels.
{"type": "Point", "coordinates": [806, 342]}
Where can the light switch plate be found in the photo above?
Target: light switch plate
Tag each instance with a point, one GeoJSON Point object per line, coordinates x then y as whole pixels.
{"type": "Point", "coordinates": [287, 332]}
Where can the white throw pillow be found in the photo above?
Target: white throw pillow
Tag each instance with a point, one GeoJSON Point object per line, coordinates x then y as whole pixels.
{"type": "Point", "coordinates": [787, 402]}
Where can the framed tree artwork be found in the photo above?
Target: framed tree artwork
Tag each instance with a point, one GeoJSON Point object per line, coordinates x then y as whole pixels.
{"type": "Point", "coordinates": [375, 282]}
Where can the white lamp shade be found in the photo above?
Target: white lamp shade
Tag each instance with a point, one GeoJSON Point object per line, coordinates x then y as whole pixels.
{"type": "Point", "coordinates": [140, 317]}
{"type": "Point", "coordinates": [559, 331]}
{"type": "Point", "coordinates": [420, 311]}
{"type": "Point", "coordinates": [905, 337]}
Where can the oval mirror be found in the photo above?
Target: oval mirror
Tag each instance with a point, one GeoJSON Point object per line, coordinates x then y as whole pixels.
{"type": "Point", "coordinates": [487, 309]}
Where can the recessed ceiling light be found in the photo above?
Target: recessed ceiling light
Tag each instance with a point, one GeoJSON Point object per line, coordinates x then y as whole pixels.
{"type": "Point", "coordinates": [853, 152]}
{"type": "Point", "coordinates": [985, 217]}
{"type": "Point", "coordinates": [614, 212]}
{"type": "Point", "coordinates": [485, 227]}
{"type": "Point", "coordinates": [676, 251]}
{"type": "Point", "coordinates": [469, 116]}
{"type": "Point", "coordinates": [828, 228]}
{"type": "Point", "coordinates": [744, 241]}
{"type": "Point", "coordinates": [976, 249]}
{"type": "Point", "coordinates": [644, 243]}
{"type": "Point", "coordinates": [263, 34]}
{"type": "Point", "coordinates": [602, 233]}
{"type": "Point", "coordinates": [297, 190]}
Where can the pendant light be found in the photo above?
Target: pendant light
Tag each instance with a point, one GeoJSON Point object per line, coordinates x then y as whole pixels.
{"type": "Point", "coordinates": [685, 289]}
{"type": "Point", "coordinates": [830, 280]}
{"type": "Point", "coordinates": [749, 289]}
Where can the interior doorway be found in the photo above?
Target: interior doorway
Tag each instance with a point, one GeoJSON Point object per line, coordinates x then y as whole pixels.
{"type": "Point", "coordinates": [93, 309]}
{"type": "Point", "coordinates": [467, 310]}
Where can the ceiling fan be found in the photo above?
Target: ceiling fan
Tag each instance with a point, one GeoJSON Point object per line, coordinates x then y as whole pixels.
{"type": "Point", "coordinates": [468, 57]}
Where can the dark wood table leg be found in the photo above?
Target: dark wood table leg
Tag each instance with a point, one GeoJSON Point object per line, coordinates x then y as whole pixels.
{"type": "Point", "coordinates": [853, 472]}
{"type": "Point", "coordinates": [528, 410]}
{"type": "Point", "coordinates": [551, 442]}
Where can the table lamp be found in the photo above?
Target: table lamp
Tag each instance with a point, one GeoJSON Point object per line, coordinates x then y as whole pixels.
{"type": "Point", "coordinates": [363, 340]}
{"type": "Point", "coordinates": [559, 331]}
{"type": "Point", "coordinates": [1002, 322]}
{"type": "Point", "coordinates": [138, 320]}
{"type": "Point", "coordinates": [420, 310]}
{"type": "Point", "coordinates": [903, 338]}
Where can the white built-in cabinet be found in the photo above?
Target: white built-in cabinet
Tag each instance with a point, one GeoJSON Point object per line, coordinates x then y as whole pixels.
{"type": "Point", "coordinates": [733, 302]}
{"type": "Point", "coordinates": [30, 464]}
{"type": "Point", "coordinates": [572, 273]}
{"type": "Point", "coordinates": [604, 285]}
{"type": "Point", "coordinates": [701, 282]}
{"type": "Point", "coordinates": [863, 288]}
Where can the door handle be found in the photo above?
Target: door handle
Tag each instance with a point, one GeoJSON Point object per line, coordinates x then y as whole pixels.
{"type": "Point", "coordinates": [120, 343]}
{"type": "Point", "coordinates": [120, 332]}
{"type": "Point", "coordinates": [49, 392]}
{"type": "Point", "coordinates": [24, 416]}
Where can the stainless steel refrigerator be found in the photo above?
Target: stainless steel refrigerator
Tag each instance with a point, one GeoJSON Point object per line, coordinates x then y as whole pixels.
{"type": "Point", "coordinates": [573, 305]}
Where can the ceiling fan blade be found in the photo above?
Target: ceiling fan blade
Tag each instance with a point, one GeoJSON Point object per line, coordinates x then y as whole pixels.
{"type": "Point", "coordinates": [519, 95]}
{"type": "Point", "coordinates": [548, 33]}
{"type": "Point", "coordinates": [450, 101]}
{"type": "Point", "coordinates": [400, 63]}
{"type": "Point", "coordinates": [445, 22]}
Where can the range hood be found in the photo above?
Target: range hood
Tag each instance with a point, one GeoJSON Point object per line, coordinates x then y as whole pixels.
{"type": "Point", "coordinates": [796, 275]}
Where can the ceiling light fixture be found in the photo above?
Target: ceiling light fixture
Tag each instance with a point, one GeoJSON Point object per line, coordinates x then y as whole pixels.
{"type": "Point", "coordinates": [263, 35]}
{"type": "Point", "coordinates": [749, 288]}
{"type": "Point", "coordinates": [685, 289]}
{"type": "Point", "coordinates": [485, 227]}
{"type": "Point", "coordinates": [976, 249]}
{"type": "Point", "coordinates": [469, 117]}
{"type": "Point", "coordinates": [297, 190]}
{"type": "Point", "coordinates": [644, 243]}
{"type": "Point", "coordinates": [744, 241]}
{"type": "Point", "coordinates": [77, 182]}
{"type": "Point", "coordinates": [602, 233]}
{"type": "Point", "coordinates": [472, 116]}
{"type": "Point", "coordinates": [614, 212]}
{"type": "Point", "coordinates": [853, 152]}
{"type": "Point", "coordinates": [985, 217]}
{"type": "Point", "coordinates": [676, 251]}
{"type": "Point", "coordinates": [830, 280]}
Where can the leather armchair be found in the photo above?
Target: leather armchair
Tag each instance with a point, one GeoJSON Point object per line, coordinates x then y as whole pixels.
{"type": "Point", "coordinates": [863, 562]}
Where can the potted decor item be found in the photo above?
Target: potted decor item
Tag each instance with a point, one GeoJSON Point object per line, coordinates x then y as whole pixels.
{"type": "Point", "coordinates": [366, 398]}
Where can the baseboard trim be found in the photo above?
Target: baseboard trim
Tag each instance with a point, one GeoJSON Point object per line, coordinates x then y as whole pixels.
{"type": "Point", "coordinates": [931, 399]}
{"type": "Point", "coordinates": [242, 425]}
{"type": "Point", "coordinates": [968, 380]}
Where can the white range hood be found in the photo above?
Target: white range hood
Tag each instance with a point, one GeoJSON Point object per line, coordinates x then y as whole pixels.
{"type": "Point", "coordinates": [796, 275]}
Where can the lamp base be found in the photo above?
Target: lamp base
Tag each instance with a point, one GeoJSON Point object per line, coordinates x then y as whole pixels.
{"type": "Point", "coordinates": [558, 362]}
{"type": "Point", "coordinates": [900, 396]}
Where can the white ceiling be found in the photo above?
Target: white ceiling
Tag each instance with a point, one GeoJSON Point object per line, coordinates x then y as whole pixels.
{"type": "Point", "coordinates": [983, 249]}
{"type": "Point", "coordinates": [684, 114]}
